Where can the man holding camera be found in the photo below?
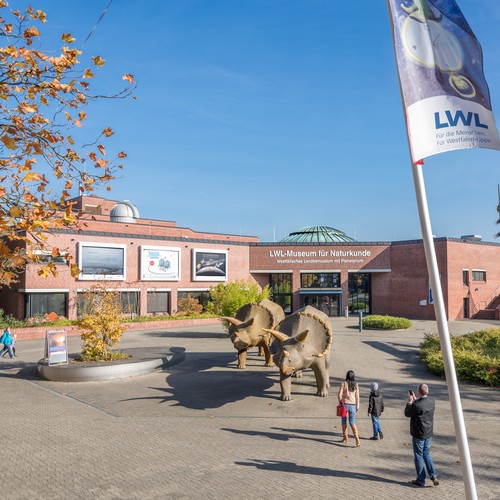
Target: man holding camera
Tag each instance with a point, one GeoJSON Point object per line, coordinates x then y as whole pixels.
{"type": "Point", "coordinates": [420, 410]}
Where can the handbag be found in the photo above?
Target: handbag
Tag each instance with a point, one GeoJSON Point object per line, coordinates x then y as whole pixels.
{"type": "Point", "coordinates": [341, 410]}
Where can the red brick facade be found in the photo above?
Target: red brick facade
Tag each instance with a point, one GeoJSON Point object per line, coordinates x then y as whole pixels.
{"type": "Point", "coordinates": [399, 284]}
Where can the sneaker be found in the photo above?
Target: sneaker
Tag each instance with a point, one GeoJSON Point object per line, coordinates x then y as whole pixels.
{"type": "Point", "coordinates": [374, 438]}
{"type": "Point", "coordinates": [416, 483]}
{"type": "Point", "coordinates": [380, 434]}
{"type": "Point", "coordinates": [435, 481]}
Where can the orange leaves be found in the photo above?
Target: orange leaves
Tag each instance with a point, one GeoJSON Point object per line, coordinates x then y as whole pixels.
{"type": "Point", "coordinates": [24, 108]}
{"type": "Point", "coordinates": [40, 14]}
{"type": "Point", "coordinates": [98, 61]}
{"type": "Point", "coordinates": [43, 94]}
{"type": "Point", "coordinates": [122, 154]}
{"type": "Point", "coordinates": [74, 270]}
{"type": "Point", "coordinates": [15, 212]}
{"type": "Point", "coordinates": [66, 37]}
{"type": "Point", "coordinates": [32, 176]}
{"type": "Point", "coordinates": [9, 142]}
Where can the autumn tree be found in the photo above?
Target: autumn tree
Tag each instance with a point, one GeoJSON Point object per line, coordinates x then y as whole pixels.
{"type": "Point", "coordinates": [100, 318]}
{"type": "Point", "coordinates": [43, 101]}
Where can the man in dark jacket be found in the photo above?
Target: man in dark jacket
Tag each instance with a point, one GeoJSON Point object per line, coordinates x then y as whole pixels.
{"type": "Point", "coordinates": [375, 409]}
{"type": "Point", "coordinates": [420, 410]}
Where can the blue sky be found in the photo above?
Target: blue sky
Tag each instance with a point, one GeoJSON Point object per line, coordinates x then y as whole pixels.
{"type": "Point", "coordinates": [259, 117]}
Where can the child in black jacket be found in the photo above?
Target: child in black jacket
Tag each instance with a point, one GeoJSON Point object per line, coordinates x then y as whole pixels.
{"type": "Point", "coordinates": [375, 409]}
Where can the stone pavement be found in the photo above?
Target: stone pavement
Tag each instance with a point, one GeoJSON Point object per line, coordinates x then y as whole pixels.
{"type": "Point", "coordinates": [204, 429]}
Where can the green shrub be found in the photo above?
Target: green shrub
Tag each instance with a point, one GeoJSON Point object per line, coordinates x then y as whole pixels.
{"type": "Point", "coordinates": [386, 322]}
{"type": "Point", "coordinates": [476, 356]}
{"type": "Point", "coordinates": [227, 298]}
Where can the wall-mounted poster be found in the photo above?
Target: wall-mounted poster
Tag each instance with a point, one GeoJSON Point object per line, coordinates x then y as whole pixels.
{"type": "Point", "coordinates": [160, 263]}
{"type": "Point", "coordinates": [101, 261]}
{"type": "Point", "coordinates": [209, 265]}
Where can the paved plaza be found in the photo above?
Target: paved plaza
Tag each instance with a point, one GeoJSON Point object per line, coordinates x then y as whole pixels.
{"type": "Point", "coordinates": [203, 429]}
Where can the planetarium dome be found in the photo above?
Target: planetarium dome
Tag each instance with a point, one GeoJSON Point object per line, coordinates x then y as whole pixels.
{"type": "Point", "coordinates": [317, 234]}
{"type": "Point", "coordinates": [124, 212]}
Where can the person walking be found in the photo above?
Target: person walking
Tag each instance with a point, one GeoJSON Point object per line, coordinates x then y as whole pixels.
{"type": "Point", "coordinates": [7, 340]}
{"type": "Point", "coordinates": [420, 410]}
{"type": "Point", "coordinates": [349, 395]}
{"type": "Point", "coordinates": [375, 409]}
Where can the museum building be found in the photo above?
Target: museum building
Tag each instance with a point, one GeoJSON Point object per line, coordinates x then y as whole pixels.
{"type": "Point", "coordinates": [153, 264]}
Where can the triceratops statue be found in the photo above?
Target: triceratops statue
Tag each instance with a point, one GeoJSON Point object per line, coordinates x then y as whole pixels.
{"type": "Point", "coordinates": [303, 341]}
{"type": "Point", "coordinates": [246, 329]}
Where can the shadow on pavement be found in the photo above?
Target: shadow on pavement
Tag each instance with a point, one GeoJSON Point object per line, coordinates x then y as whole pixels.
{"type": "Point", "coordinates": [206, 381]}
{"type": "Point", "coordinates": [280, 466]}
{"type": "Point", "coordinates": [169, 334]}
{"type": "Point", "coordinates": [286, 435]}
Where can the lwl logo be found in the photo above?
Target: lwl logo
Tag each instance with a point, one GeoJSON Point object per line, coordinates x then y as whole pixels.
{"type": "Point", "coordinates": [452, 120]}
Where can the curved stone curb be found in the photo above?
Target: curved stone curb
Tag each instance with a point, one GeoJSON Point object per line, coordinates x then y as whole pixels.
{"type": "Point", "coordinates": [142, 362]}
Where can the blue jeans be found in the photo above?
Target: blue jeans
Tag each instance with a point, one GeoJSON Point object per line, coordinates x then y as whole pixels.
{"type": "Point", "coordinates": [351, 414]}
{"type": "Point", "coordinates": [7, 348]}
{"type": "Point", "coordinates": [422, 455]}
{"type": "Point", "coordinates": [376, 425]}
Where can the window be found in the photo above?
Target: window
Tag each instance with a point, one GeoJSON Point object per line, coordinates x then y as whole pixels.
{"type": "Point", "coordinates": [202, 296]}
{"type": "Point", "coordinates": [158, 302]}
{"type": "Point", "coordinates": [281, 288]}
{"type": "Point", "coordinates": [44, 257]}
{"type": "Point", "coordinates": [359, 292]}
{"type": "Point", "coordinates": [129, 302]}
{"type": "Point", "coordinates": [478, 275]}
{"type": "Point", "coordinates": [38, 304]}
{"type": "Point", "coordinates": [320, 280]}
{"type": "Point", "coordinates": [465, 277]}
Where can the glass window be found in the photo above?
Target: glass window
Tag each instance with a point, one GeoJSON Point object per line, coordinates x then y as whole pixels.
{"type": "Point", "coordinates": [203, 296]}
{"type": "Point", "coordinates": [329, 304]}
{"type": "Point", "coordinates": [281, 288]}
{"type": "Point", "coordinates": [478, 275]}
{"type": "Point", "coordinates": [465, 277]}
{"type": "Point", "coordinates": [359, 292]}
{"type": "Point", "coordinates": [280, 283]}
{"type": "Point", "coordinates": [158, 302]}
{"type": "Point", "coordinates": [38, 304]}
{"type": "Point", "coordinates": [129, 302]}
{"type": "Point", "coordinates": [320, 280]}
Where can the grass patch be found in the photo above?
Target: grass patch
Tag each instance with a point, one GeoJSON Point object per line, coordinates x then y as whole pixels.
{"type": "Point", "coordinates": [112, 356]}
{"type": "Point", "coordinates": [386, 322]}
{"type": "Point", "coordinates": [476, 355]}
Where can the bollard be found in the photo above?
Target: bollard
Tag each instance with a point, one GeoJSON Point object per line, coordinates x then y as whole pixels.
{"type": "Point", "coordinates": [360, 321]}
{"type": "Point", "coordinates": [347, 312]}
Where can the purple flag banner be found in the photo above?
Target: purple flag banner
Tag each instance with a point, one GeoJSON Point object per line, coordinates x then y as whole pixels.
{"type": "Point", "coordinates": [440, 66]}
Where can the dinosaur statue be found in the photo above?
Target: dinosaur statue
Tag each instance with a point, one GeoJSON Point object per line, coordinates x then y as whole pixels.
{"type": "Point", "coordinates": [303, 341]}
{"type": "Point", "coordinates": [246, 329]}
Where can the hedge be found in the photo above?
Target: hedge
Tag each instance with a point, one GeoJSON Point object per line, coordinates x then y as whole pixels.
{"type": "Point", "coordinates": [476, 356]}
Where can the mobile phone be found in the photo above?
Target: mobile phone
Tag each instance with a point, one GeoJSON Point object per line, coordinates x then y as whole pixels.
{"type": "Point", "coordinates": [410, 392]}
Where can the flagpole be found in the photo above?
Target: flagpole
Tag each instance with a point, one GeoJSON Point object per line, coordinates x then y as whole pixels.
{"type": "Point", "coordinates": [444, 335]}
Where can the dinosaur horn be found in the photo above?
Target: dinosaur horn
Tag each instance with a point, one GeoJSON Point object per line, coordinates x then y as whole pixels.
{"type": "Point", "coordinates": [233, 321]}
{"type": "Point", "coordinates": [301, 337]}
{"type": "Point", "coordinates": [278, 335]}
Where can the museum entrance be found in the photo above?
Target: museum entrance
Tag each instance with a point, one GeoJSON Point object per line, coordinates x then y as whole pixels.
{"type": "Point", "coordinates": [329, 303]}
